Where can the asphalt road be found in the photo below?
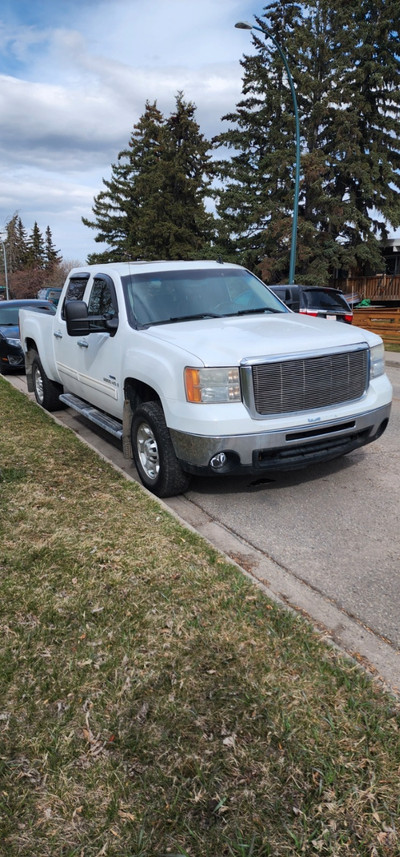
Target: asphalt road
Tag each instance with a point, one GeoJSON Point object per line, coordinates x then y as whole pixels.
{"type": "Point", "coordinates": [325, 541]}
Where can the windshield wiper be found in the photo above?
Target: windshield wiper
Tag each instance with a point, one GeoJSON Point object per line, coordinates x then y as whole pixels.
{"type": "Point", "coordinates": [259, 309]}
{"type": "Point", "coordinates": [194, 317]}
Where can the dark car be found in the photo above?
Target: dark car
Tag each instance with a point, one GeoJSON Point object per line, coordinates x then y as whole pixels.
{"type": "Point", "coordinates": [11, 354]}
{"type": "Point", "coordinates": [318, 301]}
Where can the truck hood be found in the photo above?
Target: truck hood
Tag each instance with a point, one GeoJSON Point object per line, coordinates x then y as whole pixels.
{"type": "Point", "coordinates": [227, 341]}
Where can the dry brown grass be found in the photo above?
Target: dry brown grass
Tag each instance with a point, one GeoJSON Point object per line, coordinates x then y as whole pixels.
{"type": "Point", "coordinates": [154, 701]}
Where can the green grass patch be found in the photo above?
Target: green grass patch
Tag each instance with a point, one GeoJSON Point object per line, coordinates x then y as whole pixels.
{"type": "Point", "coordinates": [153, 701]}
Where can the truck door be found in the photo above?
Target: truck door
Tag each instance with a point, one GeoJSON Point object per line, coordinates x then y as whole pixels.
{"type": "Point", "coordinates": [99, 354]}
{"type": "Point", "coordinates": [65, 348]}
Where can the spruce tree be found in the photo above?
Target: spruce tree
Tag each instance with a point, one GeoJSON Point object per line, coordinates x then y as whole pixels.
{"type": "Point", "coordinates": [255, 203]}
{"type": "Point", "coordinates": [153, 205]}
{"type": "Point", "coordinates": [183, 227]}
{"type": "Point", "coordinates": [118, 209]}
{"type": "Point", "coordinates": [52, 257]}
{"type": "Point", "coordinates": [36, 248]}
{"type": "Point", "coordinates": [17, 244]}
{"type": "Point", "coordinates": [345, 62]}
{"type": "Point", "coordinates": [365, 169]}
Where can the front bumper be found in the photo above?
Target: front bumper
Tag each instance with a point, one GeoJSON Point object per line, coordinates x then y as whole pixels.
{"type": "Point", "coordinates": [288, 449]}
{"type": "Point", "coordinates": [11, 357]}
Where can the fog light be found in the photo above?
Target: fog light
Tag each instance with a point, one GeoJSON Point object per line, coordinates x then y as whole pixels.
{"type": "Point", "coordinates": [218, 461]}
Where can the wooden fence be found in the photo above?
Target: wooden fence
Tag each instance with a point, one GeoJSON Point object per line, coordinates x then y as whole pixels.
{"type": "Point", "coordinates": [384, 287]}
{"type": "Point", "coordinates": [385, 322]}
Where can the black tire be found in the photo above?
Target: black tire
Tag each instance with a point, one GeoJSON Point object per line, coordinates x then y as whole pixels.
{"type": "Point", "coordinates": [46, 391]}
{"type": "Point", "coordinates": [153, 453]}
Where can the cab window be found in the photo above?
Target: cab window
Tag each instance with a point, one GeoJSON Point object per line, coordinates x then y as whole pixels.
{"type": "Point", "coordinates": [75, 291]}
{"type": "Point", "coordinates": [102, 300]}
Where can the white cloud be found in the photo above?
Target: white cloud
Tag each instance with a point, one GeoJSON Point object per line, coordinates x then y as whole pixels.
{"type": "Point", "coordinates": [75, 82]}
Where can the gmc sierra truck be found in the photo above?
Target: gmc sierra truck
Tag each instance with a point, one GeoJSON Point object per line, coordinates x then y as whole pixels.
{"type": "Point", "coordinates": [198, 368]}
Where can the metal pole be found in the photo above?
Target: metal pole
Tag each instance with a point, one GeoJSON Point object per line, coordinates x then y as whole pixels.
{"type": "Point", "coordinates": [292, 265]}
{"type": "Point", "coordinates": [5, 267]}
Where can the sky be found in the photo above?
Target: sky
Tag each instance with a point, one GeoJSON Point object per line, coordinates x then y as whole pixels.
{"type": "Point", "coordinates": [74, 79]}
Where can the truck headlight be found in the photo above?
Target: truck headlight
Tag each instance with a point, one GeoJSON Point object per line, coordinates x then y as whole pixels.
{"type": "Point", "coordinates": [212, 386]}
{"type": "Point", "coordinates": [377, 360]}
{"type": "Point", "coordinates": [12, 341]}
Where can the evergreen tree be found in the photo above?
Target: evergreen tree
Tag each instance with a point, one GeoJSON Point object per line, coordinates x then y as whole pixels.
{"type": "Point", "coordinates": [32, 263]}
{"type": "Point", "coordinates": [365, 168]}
{"type": "Point", "coordinates": [183, 228]}
{"type": "Point", "coordinates": [17, 244]}
{"type": "Point", "coordinates": [52, 257]}
{"type": "Point", "coordinates": [153, 205]}
{"type": "Point", "coordinates": [36, 248]}
{"type": "Point", "coordinates": [118, 209]}
{"type": "Point", "coordinates": [345, 63]}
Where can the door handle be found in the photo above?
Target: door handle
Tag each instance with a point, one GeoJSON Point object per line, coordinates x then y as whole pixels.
{"type": "Point", "coordinates": [82, 343]}
{"type": "Point", "coordinates": [57, 334]}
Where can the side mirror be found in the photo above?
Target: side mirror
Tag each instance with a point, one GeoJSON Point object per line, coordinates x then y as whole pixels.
{"type": "Point", "coordinates": [76, 316]}
{"type": "Point", "coordinates": [79, 323]}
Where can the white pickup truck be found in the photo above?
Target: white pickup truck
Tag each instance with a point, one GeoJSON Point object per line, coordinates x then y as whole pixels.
{"type": "Point", "coordinates": [199, 369]}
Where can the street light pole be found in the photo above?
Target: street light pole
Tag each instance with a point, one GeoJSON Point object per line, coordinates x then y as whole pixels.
{"type": "Point", "coordinates": [5, 267]}
{"type": "Point", "coordinates": [243, 25]}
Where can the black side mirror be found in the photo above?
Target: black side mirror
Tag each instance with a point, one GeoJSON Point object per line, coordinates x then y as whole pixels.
{"type": "Point", "coordinates": [76, 316]}
{"type": "Point", "coordinates": [79, 323]}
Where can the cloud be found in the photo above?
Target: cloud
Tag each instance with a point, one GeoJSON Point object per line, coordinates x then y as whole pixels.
{"type": "Point", "coordinates": [76, 77]}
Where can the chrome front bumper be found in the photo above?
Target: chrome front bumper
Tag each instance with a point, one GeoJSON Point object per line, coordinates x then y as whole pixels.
{"type": "Point", "coordinates": [279, 450]}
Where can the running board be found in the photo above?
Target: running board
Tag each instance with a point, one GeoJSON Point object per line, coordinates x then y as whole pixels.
{"type": "Point", "coordinates": [105, 422]}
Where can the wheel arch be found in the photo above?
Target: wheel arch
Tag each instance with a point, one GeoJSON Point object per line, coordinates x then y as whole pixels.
{"type": "Point", "coordinates": [135, 394]}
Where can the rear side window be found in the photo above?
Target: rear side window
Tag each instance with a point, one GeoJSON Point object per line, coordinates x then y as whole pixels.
{"type": "Point", "coordinates": [75, 291]}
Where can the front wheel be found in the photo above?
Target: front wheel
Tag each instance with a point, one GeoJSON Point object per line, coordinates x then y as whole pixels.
{"type": "Point", "coordinates": [153, 453]}
{"type": "Point", "coordinates": [46, 391]}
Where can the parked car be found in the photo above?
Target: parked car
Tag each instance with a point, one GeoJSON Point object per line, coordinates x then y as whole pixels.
{"type": "Point", "coordinates": [11, 354]}
{"type": "Point", "coordinates": [51, 294]}
{"type": "Point", "coordinates": [318, 301]}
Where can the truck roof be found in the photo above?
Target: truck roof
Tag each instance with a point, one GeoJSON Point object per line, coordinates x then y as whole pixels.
{"type": "Point", "coordinates": [124, 268]}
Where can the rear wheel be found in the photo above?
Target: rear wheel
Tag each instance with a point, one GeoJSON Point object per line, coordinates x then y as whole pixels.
{"type": "Point", "coordinates": [46, 391]}
{"type": "Point", "coordinates": [155, 459]}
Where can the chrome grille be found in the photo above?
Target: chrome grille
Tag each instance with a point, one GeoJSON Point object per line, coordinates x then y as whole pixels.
{"type": "Point", "coordinates": [303, 384]}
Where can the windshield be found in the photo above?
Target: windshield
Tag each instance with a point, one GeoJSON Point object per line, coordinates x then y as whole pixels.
{"type": "Point", "coordinates": [324, 299]}
{"type": "Point", "coordinates": [184, 295]}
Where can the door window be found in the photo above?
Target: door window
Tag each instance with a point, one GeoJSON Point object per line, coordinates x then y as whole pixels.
{"type": "Point", "coordinates": [102, 300]}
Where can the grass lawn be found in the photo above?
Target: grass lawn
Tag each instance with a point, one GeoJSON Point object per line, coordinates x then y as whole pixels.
{"type": "Point", "coordinates": [155, 703]}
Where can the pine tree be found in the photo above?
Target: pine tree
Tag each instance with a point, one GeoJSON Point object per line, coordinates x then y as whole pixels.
{"type": "Point", "coordinates": [345, 63]}
{"type": "Point", "coordinates": [117, 209]}
{"type": "Point", "coordinates": [153, 205]}
{"type": "Point", "coordinates": [36, 248]}
{"type": "Point", "coordinates": [183, 227]}
{"type": "Point", "coordinates": [365, 169]}
{"type": "Point", "coordinates": [52, 257]}
{"type": "Point", "coordinates": [17, 245]}
{"type": "Point", "coordinates": [255, 203]}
